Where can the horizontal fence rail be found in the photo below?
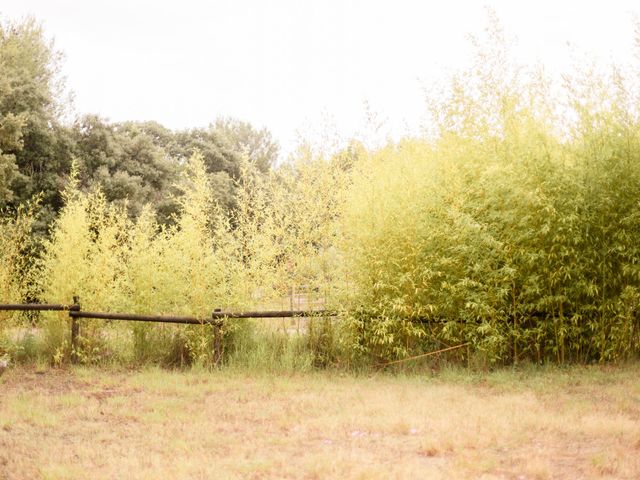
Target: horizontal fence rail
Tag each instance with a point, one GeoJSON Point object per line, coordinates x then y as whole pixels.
{"type": "Point", "coordinates": [38, 307]}
{"type": "Point", "coordinates": [215, 318]}
{"type": "Point", "coordinates": [140, 318]}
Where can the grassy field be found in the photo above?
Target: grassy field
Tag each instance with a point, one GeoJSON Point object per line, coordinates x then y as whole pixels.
{"type": "Point", "coordinates": [531, 424]}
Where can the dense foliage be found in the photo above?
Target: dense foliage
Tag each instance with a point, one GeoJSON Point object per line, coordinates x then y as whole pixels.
{"type": "Point", "coordinates": [514, 228]}
{"type": "Point", "coordinates": [511, 227]}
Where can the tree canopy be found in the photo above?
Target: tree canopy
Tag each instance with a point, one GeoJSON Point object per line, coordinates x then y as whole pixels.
{"type": "Point", "coordinates": [132, 162]}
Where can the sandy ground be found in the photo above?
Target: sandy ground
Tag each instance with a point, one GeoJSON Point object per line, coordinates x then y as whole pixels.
{"type": "Point", "coordinates": [90, 423]}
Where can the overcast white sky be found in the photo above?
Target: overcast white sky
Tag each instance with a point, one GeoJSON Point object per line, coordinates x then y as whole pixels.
{"type": "Point", "coordinates": [295, 66]}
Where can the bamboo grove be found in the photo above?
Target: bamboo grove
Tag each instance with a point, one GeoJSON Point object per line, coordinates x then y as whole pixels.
{"type": "Point", "coordinates": [513, 224]}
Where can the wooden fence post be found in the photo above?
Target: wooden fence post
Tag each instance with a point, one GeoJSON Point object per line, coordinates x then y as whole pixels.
{"type": "Point", "coordinates": [217, 338]}
{"type": "Point", "coordinates": [75, 330]}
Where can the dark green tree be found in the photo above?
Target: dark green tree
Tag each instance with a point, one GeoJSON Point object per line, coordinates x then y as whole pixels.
{"type": "Point", "coordinates": [35, 149]}
{"type": "Point", "coordinates": [128, 162]}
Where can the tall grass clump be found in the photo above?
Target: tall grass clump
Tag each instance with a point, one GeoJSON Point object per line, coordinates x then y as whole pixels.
{"type": "Point", "coordinates": [84, 257]}
{"type": "Point", "coordinates": [116, 264]}
{"type": "Point", "coordinates": [189, 269]}
{"type": "Point", "coordinates": [287, 228]}
{"type": "Point", "coordinates": [17, 250]}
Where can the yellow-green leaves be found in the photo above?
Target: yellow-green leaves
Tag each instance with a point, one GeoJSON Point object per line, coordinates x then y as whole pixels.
{"type": "Point", "coordinates": [16, 255]}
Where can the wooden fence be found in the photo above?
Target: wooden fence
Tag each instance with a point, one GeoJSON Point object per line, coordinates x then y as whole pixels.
{"type": "Point", "coordinates": [216, 319]}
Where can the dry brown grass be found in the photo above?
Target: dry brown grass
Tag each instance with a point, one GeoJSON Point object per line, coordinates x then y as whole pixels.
{"type": "Point", "coordinates": [86, 423]}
